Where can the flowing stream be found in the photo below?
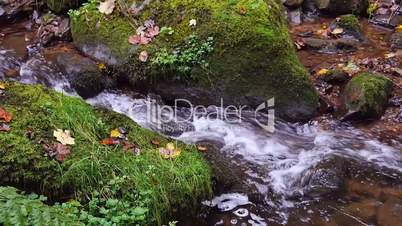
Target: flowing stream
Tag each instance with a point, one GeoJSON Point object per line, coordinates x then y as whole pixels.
{"type": "Point", "coordinates": [300, 174]}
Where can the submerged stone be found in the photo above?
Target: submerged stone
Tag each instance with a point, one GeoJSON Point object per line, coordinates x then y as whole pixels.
{"type": "Point", "coordinates": [237, 51]}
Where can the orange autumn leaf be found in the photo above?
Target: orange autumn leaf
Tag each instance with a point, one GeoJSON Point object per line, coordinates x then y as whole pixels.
{"type": "Point", "coordinates": [5, 116]}
{"type": "Point", "coordinates": [109, 141]}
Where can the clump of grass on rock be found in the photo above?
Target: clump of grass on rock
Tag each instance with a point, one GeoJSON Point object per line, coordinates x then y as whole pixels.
{"type": "Point", "coordinates": [154, 183]}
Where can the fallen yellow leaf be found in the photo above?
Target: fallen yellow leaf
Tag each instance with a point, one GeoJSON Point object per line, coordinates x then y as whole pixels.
{"type": "Point", "coordinates": [115, 133]}
{"type": "Point", "coordinates": [399, 28]}
{"type": "Point", "coordinates": [322, 72]}
{"type": "Point", "coordinates": [169, 154]}
{"type": "Point", "coordinates": [2, 85]}
{"type": "Point", "coordinates": [64, 137]}
{"type": "Point", "coordinates": [170, 146]}
{"type": "Point", "coordinates": [102, 67]}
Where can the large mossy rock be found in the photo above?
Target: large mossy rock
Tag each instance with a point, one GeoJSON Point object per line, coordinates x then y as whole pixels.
{"type": "Point", "coordinates": [366, 96]}
{"type": "Point", "coordinates": [339, 7]}
{"type": "Point", "coordinates": [253, 58]}
{"type": "Point", "coordinates": [59, 6]}
{"type": "Point", "coordinates": [154, 183]}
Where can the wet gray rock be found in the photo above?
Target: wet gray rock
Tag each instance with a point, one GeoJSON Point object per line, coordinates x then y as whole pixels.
{"type": "Point", "coordinates": [326, 178]}
{"type": "Point", "coordinates": [53, 29]}
{"type": "Point", "coordinates": [309, 6]}
{"type": "Point", "coordinates": [10, 9]}
{"type": "Point", "coordinates": [366, 96]}
{"type": "Point", "coordinates": [316, 43]}
{"type": "Point", "coordinates": [396, 40]}
{"type": "Point", "coordinates": [83, 74]}
{"type": "Point", "coordinates": [350, 25]}
{"type": "Point", "coordinates": [346, 44]}
{"type": "Point", "coordinates": [336, 76]}
{"type": "Point", "coordinates": [339, 7]}
{"type": "Point", "coordinates": [295, 16]}
{"type": "Point", "coordinates": [332, 46]}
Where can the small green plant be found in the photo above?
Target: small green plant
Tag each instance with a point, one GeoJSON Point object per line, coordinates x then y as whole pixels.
{"type": "Point", "coordinates": [182, 59]}
{"type": "Point", "coordinates": [167, 30]}
{"type": "Point", "coordinates": [108, 207]}
{"type": "Point", "coordinates": [19, 209]}
{"type": "Point", "coordinates": [372, 8]}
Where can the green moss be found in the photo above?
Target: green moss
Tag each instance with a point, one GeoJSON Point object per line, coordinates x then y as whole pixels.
{"type": "Point", "coordinates": [38, 111]}
{"type": "Point", "coordinates": [368, 93]}
{"type": "Point", "coordinates": [349, 22]}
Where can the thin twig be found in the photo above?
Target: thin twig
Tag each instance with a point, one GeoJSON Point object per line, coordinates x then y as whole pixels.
{"type": "Point", "coordinates": [351, 216]}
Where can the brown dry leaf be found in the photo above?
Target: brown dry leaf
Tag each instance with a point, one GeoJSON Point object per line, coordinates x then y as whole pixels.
{"type": "Point", "coordinates": [5, 116]}
{"type": "Point", "coordinates": [131, 148]}
{"type": "Point", "coordinates": [107, 7]}
{"type": "Point", "coordinates": [64, 137]}
{"type": "Point", "coordinates": [202, 148]}
{"type": "Point", "coordinates": [59, 151]}
{"type": "Point", "coordinates": [143, 56]}
{"type": "Point", "coordinates": [156, 142]}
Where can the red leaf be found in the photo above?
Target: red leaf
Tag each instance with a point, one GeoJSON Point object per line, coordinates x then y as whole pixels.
{"type": "Point", "coordinates": [152, 32]}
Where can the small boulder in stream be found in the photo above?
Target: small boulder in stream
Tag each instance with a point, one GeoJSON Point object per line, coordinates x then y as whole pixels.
{"type": "Point", "coordinates": [339, 7]}
{"type": "Point", "coordinates": [366, 96]}
{"type": "Point", "coordinates": [238, 51]}
{"type": "Point", "coordinates": [350, 25]}
{"type": "Point", "coordinates": [336, 76]}
{"type": "Point", "coordinates": [331, 46]}
{"type": "Point", "coordinates": [83, 74]}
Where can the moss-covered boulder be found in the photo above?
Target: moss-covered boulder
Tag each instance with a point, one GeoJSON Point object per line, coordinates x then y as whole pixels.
{"type": "Point", "coordinates": [339, 7]}
{"type": "Point", "coordinates": [59, 6]}
{"type": "Point", "coordinates": [147, 181]}
{"type": "Point", "coordinates": [366, 96]}
{"type": "Point", "coordinates": [237, 50]}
